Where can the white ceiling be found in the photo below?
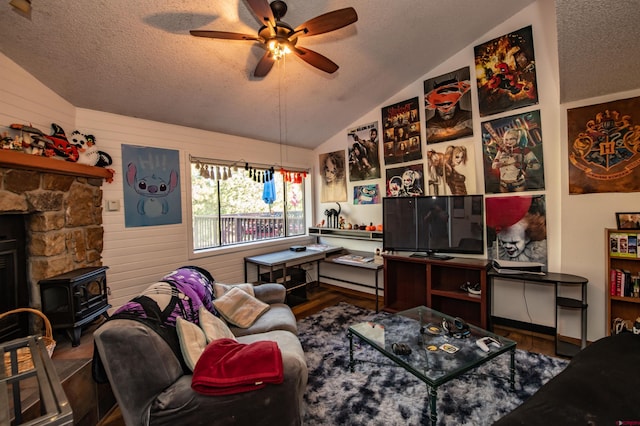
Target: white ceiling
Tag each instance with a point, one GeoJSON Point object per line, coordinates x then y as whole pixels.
{"type": "Point", "coordinates": [136, 58]}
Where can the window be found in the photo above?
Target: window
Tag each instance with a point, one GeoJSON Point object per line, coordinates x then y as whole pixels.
{"type": "Point", "coordinates": [233, 205]}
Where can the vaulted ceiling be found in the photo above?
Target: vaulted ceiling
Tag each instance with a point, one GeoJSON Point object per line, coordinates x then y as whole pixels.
{"type": "Point", "coordinates": [137, 58]}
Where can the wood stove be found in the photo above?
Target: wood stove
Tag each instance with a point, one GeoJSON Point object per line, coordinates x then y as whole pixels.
{"type": "Point", "coordinates": [75, 299]}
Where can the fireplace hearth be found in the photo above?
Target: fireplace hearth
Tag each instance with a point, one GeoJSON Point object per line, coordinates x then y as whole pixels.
{"type": "Point", "coordinates": [53, 210]}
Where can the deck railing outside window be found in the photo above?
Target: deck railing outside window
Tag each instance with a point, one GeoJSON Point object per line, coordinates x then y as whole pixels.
{"type": "Point", "coordinates": [243, 228]}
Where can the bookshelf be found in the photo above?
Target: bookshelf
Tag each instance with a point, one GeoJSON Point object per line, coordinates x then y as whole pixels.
{"type": "Point", "coordinates": [622, 266]}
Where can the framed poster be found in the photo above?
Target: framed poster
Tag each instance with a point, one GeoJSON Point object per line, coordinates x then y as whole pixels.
{"type": "Point", "coordinates": [364, 158]}
{"type": "Point", "coordinates": [517, 228]}
{"type": "Point", "coordinates": [447, 103]}
{"type": "Point", "coordinates": [401, 134]}
{"type": "Point", "coordinates": [451, 169]}
{"type": "Point", "coordinates": [333, 182]}
{"type": "Point", "coordinates": [512, 153]}
{"type": "Point", "coordinates": [604, 147]}
{"type": "Point", "coordinates": [405, 181]}
{"type": "Point", "coordinates": [366, 194]}
{"type": "Point", "coordinates": [506, 73]}
{"type": "Point", "coordinates": [151, 186]}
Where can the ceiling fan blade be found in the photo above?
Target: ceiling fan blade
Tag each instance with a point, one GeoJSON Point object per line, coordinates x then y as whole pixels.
{"type": "Point", "coordinates": [327, 22]}
{"type": "Point", "coordinates": [265, 65]}
{"type": "Point", "coordinates": [263, 11]}
{"type": "Point", "coordinates": [315, 59]}
{"type": "Point", "coordinates": [222, 35]}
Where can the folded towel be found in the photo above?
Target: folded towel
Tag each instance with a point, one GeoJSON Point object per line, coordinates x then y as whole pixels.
{"type": "Point", "coordinates": [227, 367]}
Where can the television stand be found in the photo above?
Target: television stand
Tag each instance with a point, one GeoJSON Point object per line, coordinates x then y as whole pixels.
{"type": "Point", "coordinates": [432, 256]}
{"type": "Point", "coordinates": [414, 281]}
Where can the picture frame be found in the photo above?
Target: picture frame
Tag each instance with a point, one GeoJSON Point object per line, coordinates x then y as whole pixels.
{"type": "Point", "coordinates": [628, 220]}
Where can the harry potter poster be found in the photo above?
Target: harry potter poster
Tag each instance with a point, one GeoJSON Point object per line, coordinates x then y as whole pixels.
{"type": "Point", "coordinates": [604, 146]}
{"type": "Point", "coordinates": [506, 73]}
{"type": "Point", "coordinates": [401, 137]}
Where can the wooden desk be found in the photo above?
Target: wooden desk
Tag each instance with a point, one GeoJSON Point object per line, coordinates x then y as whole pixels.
{"type": "Point", "coordinates": [281, 260]}
{"type": "Point", "coordinates": [374, 266]}
{"type": "Point", "coordinates": [558, 280]}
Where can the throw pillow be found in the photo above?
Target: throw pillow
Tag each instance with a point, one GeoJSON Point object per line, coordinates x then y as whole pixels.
{"type": "Point", "coordinates": [214, 328]}
{"type": "Point", "coordinates": [240, 308]}
{"type": "Point", "coordinates": [192, 341]}
{"type": "Point", "coordinates": [220, 289]}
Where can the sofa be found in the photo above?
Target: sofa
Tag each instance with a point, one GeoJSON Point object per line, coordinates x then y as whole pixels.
{"type": "Point", "coordinates": [600, 386]}
{"type": "Point", "coordinates": [152, 386]}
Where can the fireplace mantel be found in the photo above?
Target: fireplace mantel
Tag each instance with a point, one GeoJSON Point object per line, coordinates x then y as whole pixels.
{"type": "Point", "coordinates": [19, 160]}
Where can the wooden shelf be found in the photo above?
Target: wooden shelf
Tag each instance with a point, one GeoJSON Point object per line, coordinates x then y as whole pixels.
{"type": "Point", "coordinates": [625, 307]}
{"type": "Point", "coordinates": [19, 160]}
{"type": "Point", "coordinates": [346, 233]}
{"type": "Point", "coordinates": [414, 281]}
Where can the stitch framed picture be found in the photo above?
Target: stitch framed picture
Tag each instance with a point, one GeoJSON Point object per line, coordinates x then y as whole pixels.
{"type": "Point", "coordinates": [151, 186]}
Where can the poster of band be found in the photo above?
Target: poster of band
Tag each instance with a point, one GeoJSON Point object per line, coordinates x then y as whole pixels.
{"type": "Point", "coordinates": [401, 137]}
{"type": "Point", "coordinates": [506, 73]}
{"type": "Point", "coordinates": [451, 169]}
{"type": "Point", "coordinates": [512, 153]}
{"type": "Point", "coordinates": [405, 181]}
{"type": "Point", "coordinates": [364, 158]}
{"type": "Point", "coordinates": [447, 103]}
{"type": "Point", "coordinates": [604, 147]}
{"type": "Point", "coordinates": [517, 228]}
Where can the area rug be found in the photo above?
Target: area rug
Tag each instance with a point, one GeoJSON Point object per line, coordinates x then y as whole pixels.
{"type": "Point", "coordinates": [377, 394]}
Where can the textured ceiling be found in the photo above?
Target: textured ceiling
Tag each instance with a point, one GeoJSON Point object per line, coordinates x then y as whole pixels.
{"type": "Point", "coordinates": [136, 58]}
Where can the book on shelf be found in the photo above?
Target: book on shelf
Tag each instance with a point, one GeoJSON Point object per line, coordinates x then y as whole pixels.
{"type": "Point", "coordinates": [623, 244]}
{"type": "Point", "coordinates": [354, 258]}
{"type": "Point", "coordinates": [513, 267]}
{"type": "Point", "coordinates": [620, 282]}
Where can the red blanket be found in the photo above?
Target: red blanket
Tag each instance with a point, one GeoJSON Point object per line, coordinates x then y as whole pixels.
{"type": "Point", "coordinates": [227, 367]}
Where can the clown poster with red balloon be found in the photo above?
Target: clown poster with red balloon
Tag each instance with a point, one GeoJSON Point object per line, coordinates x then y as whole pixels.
{"type": "Point", "coordinates": [517, 228]}
{"type": "Point", "coordinates": [506, 73]}
{"type": "Point", "coordinates": [447, 103]}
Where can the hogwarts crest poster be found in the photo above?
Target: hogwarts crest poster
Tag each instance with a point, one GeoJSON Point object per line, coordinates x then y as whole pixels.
{"type": "Point", "coordinates": [604, 147]}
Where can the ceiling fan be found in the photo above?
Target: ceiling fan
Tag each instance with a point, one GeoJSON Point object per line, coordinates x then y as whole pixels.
{"type": "Point", "coordinates": [279, 38]}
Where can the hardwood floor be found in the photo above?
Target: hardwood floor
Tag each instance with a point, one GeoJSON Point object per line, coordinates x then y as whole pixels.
{"type": "Point", "coordinates": [319, 297]}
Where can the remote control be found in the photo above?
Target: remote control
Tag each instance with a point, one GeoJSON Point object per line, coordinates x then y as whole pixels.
{"type": "Point", "coordinates": [484, 343]}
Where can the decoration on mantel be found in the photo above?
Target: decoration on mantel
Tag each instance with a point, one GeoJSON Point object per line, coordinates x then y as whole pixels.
{"type": "Point", "coordinates": [13, 159]}
{"type": "Point", "coordinates": [30, 140]}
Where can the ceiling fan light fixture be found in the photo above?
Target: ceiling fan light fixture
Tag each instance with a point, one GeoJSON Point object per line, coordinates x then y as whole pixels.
{"type": "Point", "coordinates": [278, 49]}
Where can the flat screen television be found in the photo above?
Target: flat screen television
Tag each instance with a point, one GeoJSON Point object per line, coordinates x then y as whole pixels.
{"type": "Point", "coordinates": [430, 225]}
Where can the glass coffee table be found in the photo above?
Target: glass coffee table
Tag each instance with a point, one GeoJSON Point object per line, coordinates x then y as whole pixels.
{"type": "Point", "coordinates": [436, 356]}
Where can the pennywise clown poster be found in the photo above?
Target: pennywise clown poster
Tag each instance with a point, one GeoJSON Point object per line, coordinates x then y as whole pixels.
{"type": "Point", "coordinates": [604, 147]}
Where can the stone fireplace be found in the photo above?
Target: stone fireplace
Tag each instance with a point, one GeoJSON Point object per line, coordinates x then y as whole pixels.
{"type": "Point", "coordinates": [59, 208]}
